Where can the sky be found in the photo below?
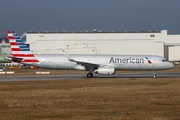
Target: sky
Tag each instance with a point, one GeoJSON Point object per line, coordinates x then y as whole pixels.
{"type": "Point", "coordinates": [82, 15]}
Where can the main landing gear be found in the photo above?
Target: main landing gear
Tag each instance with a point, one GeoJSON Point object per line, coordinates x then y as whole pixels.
{"type": "Point", "coordinates": [90, 75]}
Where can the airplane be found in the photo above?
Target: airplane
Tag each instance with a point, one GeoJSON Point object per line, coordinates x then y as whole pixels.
{"type": "Point", "coordinates": [97, 64]}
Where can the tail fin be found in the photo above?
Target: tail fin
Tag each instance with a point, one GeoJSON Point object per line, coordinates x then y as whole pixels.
{"type": "Point", "coordinates": [19, 48]}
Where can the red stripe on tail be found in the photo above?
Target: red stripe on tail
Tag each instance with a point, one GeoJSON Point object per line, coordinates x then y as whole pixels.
{"type": "Point", "coordinates": [23, 55]}
{"type": "Point", "coordinates": [11, 37]}
{"type": "Point", "coordinates": [15, 49]}
{"type": "Point", "coordinates": [9, 32]}
{"type": "Point", "coordinates": [30, 60]}
{"type": "Point", "coordinates": [13, 43]}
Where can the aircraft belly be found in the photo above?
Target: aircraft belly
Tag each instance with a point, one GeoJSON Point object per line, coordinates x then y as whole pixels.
{"type": "Point", "coordinates": [52, 65]}
{"type": "Point", "coordinates": [59, 65]}
{"type": "Point", "coordinates": [70, 66]}
{"type": "Point", "coordinates": [131, 66]}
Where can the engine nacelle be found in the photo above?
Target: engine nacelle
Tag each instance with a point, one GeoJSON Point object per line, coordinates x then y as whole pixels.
{"type": "Point", "coordinates": [105, 71]}
{"type": "Point", "coordinates": [79, 67]}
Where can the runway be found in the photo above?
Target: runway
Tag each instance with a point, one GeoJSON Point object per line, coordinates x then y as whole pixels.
{"type": "Point", "coordinates": [83, 76]}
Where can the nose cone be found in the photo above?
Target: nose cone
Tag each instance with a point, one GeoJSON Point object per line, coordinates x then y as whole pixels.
{"type": "Point", "coordinates": [170, 65]}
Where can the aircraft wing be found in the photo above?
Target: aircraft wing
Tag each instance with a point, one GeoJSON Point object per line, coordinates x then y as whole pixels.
{"type": "Point", "coordinates": [86, 64]}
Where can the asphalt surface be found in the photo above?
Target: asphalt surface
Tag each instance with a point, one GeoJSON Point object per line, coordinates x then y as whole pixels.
{"type": "Point", "coordinates": [83, 76]}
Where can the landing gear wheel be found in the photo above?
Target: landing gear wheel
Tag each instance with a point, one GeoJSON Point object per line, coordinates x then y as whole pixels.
{"type": "Point", "coordinates": [89, 75]}
{"type": "Point", "coordinates": [154, 74]}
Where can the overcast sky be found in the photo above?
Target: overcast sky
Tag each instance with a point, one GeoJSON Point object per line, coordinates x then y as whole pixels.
{"type": "Point", "coordinates": [82, 15]}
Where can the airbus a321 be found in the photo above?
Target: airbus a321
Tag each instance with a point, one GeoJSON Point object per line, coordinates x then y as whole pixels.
{"type": "Point", "coordinates": [98, 64]}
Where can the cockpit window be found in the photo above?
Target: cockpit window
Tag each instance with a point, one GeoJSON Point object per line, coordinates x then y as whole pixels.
{"type": "Point", "coordinates": [164, 60]}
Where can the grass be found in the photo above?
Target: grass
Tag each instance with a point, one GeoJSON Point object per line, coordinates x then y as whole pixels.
{"type": "Point", "coordinates": [91, 99]}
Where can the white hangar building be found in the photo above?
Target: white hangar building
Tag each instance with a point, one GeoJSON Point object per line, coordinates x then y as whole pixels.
{"type": "Point", "coordinates": [98, 42]}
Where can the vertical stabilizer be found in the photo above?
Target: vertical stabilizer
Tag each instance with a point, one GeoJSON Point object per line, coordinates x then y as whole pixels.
{"type": "Point", "coordinates": [19, 48]}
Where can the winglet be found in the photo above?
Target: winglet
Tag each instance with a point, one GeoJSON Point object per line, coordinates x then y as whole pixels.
{"type": "Point", "coordinates": [67, 55]}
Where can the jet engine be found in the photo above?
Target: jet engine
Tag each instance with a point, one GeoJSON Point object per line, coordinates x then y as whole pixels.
{"type": "Point", "coordinates": [105, 71]}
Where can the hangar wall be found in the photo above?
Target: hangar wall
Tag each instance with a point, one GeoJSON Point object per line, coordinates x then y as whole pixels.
{"type": "Point", "coordinates": [144, 42]}
{"type": "Point", "coordinates": [173, 43]}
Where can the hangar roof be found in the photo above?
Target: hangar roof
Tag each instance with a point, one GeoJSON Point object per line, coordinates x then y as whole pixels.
{"type": "Point", "coordinates": [98, 31]}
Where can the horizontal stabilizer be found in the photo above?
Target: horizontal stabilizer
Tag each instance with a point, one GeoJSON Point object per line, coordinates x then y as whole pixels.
{"type": "Point", "coordinates": [14, 59]}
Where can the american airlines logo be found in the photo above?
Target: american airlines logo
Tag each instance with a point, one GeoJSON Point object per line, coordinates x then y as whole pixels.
{"type": "Point", "coordinates": [126, 60]}
{"type": "Point", "coordinates": [149, 61]}
{"type": "Point", "coordinates": [129, 60]}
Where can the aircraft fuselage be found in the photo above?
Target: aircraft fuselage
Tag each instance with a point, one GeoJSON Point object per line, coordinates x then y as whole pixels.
{"type": "Point", "coordinates": [119, 62]}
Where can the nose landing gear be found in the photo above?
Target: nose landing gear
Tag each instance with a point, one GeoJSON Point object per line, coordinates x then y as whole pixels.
{"type": "Point", "coordinates": [154, 74]}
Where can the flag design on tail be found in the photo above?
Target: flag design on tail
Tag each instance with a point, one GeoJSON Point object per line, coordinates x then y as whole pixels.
{"type": "Point", "coordinates": [20, 51]}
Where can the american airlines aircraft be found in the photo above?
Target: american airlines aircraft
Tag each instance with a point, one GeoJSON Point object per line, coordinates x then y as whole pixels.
{"type": "Point", "coordinates": [98, 64]}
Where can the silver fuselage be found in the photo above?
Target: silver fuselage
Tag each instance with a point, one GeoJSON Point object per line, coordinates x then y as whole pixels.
{"type": "Point", "coordinates": [119, 62]}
